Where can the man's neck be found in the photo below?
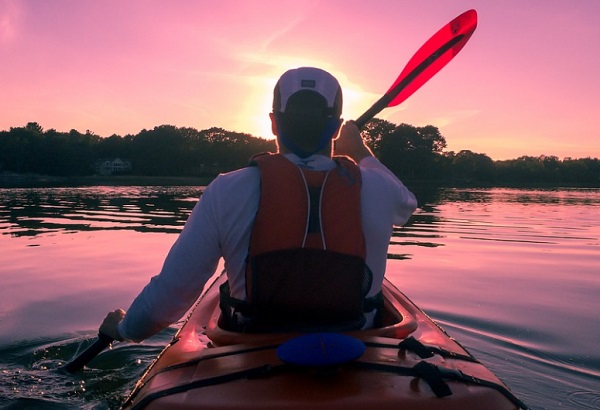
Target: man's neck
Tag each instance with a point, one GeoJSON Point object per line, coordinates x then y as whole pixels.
{"type": "Point", "coordinates": [326, 152]}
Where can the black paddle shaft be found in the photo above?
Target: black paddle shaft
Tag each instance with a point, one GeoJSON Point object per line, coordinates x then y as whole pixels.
{"type": "Point", "coordinates": [88, 354]}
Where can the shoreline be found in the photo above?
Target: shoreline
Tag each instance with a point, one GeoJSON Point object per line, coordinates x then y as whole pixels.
{"type": "Point", "coordinates": [14, 180]}
{"type": "Point", "coordinates": [44, 181]}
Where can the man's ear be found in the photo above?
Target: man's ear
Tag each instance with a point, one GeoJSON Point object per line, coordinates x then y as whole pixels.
{"type": "Point", "coordinates": [336, 134]}
{"type": "Point", "coordinates": [274, 128]}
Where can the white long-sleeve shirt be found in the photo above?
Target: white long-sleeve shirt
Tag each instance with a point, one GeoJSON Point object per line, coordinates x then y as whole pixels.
{"type": "Point", "coordinates": [220, 226]}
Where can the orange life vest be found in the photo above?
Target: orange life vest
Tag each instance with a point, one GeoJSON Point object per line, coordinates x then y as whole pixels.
{"type": "Point", "coordinates": [306, 262]}
{"type": "Point", "coordinates": [301, 208]}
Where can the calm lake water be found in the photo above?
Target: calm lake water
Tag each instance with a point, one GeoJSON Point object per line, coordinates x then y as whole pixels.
{"type": "Point", "coordinates": [513, 274]}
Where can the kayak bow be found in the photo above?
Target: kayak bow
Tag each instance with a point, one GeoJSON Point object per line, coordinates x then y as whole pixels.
{"type": "Point", "coordinates": [409, 362]}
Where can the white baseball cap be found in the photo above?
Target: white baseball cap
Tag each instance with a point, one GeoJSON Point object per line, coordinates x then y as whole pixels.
{"type": "Point", "coordinates": [308, 79]}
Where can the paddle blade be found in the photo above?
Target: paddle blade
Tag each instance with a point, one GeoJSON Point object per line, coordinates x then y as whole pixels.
{"type": "Point", "coordinates": [434, 55]}
{"type": "Point", "coordinates": [427, 61]}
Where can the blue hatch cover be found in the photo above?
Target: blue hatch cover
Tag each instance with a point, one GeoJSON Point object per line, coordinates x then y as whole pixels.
{"type": "Point", "coordinates": [320, 349]}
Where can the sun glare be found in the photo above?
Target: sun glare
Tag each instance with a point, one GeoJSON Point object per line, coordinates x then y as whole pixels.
{"type": "Point", "coordinates": [254, 117]}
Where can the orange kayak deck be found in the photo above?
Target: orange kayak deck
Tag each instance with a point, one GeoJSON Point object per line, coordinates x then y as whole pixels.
{"type": "Point", "coordinates": [410, 363]}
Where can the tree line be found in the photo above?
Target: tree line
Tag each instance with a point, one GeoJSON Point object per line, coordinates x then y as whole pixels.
{"type": "Point", "coordinates": [412, 153]}
{"type": "Point", "coordinates": [165, 150]}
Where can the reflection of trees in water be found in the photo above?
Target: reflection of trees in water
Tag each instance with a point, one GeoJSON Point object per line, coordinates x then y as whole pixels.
{"type": "Point", "coordinates": [30, 212]}
{"type": "Point", "coordinates": [430, 196]}
{"type": "Point", "coordinates": [426, 227]}
{"type": "Point", "coordinates": [418, 229]}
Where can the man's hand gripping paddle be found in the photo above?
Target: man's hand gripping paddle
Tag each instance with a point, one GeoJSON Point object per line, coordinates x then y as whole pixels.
{"type": "Point", "coordinates": [427, 61]}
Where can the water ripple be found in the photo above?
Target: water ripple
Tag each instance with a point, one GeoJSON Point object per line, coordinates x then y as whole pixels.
{"type": "Point", "coordinates": [585, 399]}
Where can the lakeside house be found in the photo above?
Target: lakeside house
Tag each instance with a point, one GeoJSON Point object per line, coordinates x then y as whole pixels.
{"type": "Point", "coordinates": [113, 166]}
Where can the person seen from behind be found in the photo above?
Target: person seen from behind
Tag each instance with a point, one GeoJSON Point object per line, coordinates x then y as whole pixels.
{"type": "Point", "coordinates": [303, 233]}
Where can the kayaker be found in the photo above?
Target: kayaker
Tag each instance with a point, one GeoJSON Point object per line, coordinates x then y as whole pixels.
{"type": "Point", "coordinates": [300, 207]}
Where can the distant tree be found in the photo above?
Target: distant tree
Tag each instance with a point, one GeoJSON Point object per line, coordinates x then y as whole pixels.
{"type": "Point", "coordinates": [70, 153]}
{"type": "Point", "coordinates": [34, 127]}
{"type": "Point", "coordinates": [468, 166]}
{"type": "Point", "coordinates": [168, 150]}
{"type": "Point", "coordinates": [394, 151]}
{"type": "Point", "coordinates": [525, 169]}
{"type": "Point", "coordinates": [580, 171]}
{"type": "Point", "coordinates": [414, 152]}
{"type": "Point", "coordinates": [114, 146]}
{"type": "Point", "coordinates": [159, 151]}
{"type": "Point", "coordinates": [374, 131]}
{"type": "Point", "coordinates": [427, 139]}
{"type": "Point", "coordinates": [231, 150]}
{"type": "Point", "coordinates": [24, 148]}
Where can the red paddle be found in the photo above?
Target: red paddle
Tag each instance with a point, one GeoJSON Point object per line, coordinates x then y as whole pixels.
{"type": "Point", "coordinates": [427, 61]}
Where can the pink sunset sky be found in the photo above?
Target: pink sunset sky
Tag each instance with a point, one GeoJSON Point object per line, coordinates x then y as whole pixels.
{"type": "Point", "coordinates": [527, 83]}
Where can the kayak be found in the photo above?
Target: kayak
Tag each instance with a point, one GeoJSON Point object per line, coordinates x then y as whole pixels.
{"type": "Point", "coordinates": [407, 363]}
